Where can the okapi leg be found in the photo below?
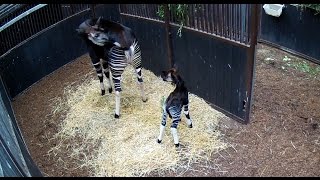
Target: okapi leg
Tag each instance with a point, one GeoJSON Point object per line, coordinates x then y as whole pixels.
{"type": "Point", "coordinates": [163, 124]}
{"type": "Point", "coordinates": [140, 82]}
{"type": "Point", "coordinates": [117, 87]}
{"type": "Point", "coordinates": [96, 64]}
{"type": "Point", "coordinates": [106, 71]}
{"type": "Point", "coordinates": [186, 113]}
{"type": "Point", "coordinates": [174, 133]}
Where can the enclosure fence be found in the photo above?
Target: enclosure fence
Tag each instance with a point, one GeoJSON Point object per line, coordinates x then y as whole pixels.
{"type": "Point", "coordinates": [26, 21]}
{"type": "Point", "coordinates": [226, 21]}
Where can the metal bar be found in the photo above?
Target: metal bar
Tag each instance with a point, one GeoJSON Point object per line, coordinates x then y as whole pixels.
{"type": "Point", "coordinates": [192, 17]}
{"type": "Point", "coordinates": [234, 22]}
{"type": "Point", "coordinates": [219, 20]}
{"type": "Point", "coordinates": [200, 16]}
{"type": "Point", "coordinates": [238, 22]}
{"type": "Point", "coordinates": [168, 34]}
{"type": "Point", "coordinates": [21, 16]}
{"type": "Point", "coordinates": [207, 21]}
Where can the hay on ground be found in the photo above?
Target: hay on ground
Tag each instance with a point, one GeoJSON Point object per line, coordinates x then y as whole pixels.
{"type": "Point", "coordinates": [127, 146]}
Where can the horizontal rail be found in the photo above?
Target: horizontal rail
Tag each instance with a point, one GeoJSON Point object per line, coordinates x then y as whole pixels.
{"type": "Point", "coordinates": [40, 32]}
{"type": "Point", "coordinates": [8, 9]}
{"type": "Point", "coordinates": [141, 17]}
{"type": "Point", "coordinates": [26, 13]}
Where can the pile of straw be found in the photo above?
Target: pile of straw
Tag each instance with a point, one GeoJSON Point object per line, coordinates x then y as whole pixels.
{"type": "Point", "coordinates": [127, 146]}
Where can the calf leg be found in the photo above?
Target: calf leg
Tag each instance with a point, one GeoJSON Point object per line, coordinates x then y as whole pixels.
{"type": "Point", "coordinates": [174, 132]}
{"type": "Point", "coordinates": [163, 124]}
{"type": "Point", "coordinates": [186, 113]}
{"type": "Point", "coordinates": [175, 121]}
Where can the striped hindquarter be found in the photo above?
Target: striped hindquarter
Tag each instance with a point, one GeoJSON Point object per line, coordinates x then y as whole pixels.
{"type": "Point", "coordinates": [118, 61]}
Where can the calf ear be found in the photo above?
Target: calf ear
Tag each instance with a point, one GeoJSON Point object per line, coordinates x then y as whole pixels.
{"type": "Point", "coordinates": [175, 67]}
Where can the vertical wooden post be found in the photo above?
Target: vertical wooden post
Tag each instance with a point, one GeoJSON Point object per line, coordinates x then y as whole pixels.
{"type": "Point", "coordinates": [251, 56]}
{"type": "Point", "coordinates": [168, 35]}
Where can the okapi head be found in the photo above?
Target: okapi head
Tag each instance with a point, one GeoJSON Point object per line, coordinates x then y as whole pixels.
{"type": "Point", "coordinates": [101, 31]}
{"type": "Point", "coordinates": [172, 76]}
{"type": "Point", "coordinates": [92, 29]}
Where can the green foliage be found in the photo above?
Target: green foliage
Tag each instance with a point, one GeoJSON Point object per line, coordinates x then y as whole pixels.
{"type": "Point", "coordinates": [302, 66]}
{"type": "Point", "coordinates": [315, 7]}
{"type": "Point", "coordinates": [180, 11]}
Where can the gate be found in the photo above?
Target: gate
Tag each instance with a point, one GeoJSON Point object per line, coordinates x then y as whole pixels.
{"type": "Point", "coordinates": [215, 54]}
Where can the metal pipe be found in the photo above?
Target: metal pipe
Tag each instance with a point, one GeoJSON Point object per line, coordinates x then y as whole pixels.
{"type": "Point", "coordinates": [26, 13]}
{"type": "Point", "coordinates": [168, 34]}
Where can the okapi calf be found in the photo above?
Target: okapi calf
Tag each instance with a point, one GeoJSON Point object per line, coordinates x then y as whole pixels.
{"type": "Point", "coordinates": [177, 100]}
{"type": "Point", "coordinates": [117, 46]}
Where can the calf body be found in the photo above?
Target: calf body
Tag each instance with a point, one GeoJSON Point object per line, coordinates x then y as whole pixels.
{"type": "Point", "coordinates": [116, 46]}
{"type": "Point", "coordinates": [176, 102]}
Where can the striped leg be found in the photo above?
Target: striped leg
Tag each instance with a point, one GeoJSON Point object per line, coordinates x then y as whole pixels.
{"type": "Point", "coordinates": [140, 82]}
{"type": "Point", "coordinates": [176, 117]}
{"type": "Point", "coordinates": [186, 113]}
{"type": "Point", "coordinates": [96, 64]}
{"type": "Point", "coordinates": [117, 87]}
{"type": "Point", "coordinates": [136, 62]}
{"type": "Point", "coordinates": [163, 123]}
{"type": "Point", "coordinates": [105, 69]}
{"type": "Point", "coordinates": [117, 64]}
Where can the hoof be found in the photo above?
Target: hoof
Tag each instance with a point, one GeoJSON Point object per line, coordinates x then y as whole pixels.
{"type": "Point", "coordinates": [103, 92]}
{"type": "Point", "coordinates": [145, 100]}
{"type": "Point", "coordinates": [116, 116]}
{"type": "Point", "coordinates": [159, 141]}
{"type": "Point", "coordinates": [177, 145]}
{"type": "Point", "coordinates": [110, 90]}
{"type": "Point", "coordinates": [190, 126]}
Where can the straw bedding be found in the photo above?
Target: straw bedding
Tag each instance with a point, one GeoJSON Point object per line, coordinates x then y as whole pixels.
{"type": "Point", "coordinates": [127, 146]}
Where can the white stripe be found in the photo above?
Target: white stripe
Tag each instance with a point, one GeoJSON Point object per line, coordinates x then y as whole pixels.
{"type": "Point", "coordinates": [96, 63]}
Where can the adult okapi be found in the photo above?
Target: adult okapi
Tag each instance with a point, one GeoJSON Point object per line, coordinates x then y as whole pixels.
{"type": "Point", "coordinates": [112, 45]}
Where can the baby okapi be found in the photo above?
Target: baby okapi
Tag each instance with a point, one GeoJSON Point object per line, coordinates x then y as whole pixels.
{"type": "Point", "coordinates": [116, 46]}
{"type": "Point", "coordinates": [177, 100]}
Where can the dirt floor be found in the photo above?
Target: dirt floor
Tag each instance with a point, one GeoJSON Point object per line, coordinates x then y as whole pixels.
{"type": "Point", "coordinates": [282, 138]}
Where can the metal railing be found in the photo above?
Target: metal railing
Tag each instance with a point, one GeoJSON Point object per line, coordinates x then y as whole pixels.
{"type": "Point", "coordinates": [32, 19]}
{"type": "Point", "coordinates": [229, 21]}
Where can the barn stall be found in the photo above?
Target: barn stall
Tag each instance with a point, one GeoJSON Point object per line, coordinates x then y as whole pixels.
{"type": "Point", "coordinates": [81, 121]}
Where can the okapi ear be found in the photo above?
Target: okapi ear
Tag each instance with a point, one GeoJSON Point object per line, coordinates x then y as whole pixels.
{"type": "Point", "coordinates": [98, 21]}
{"type": "Point", "coordinates": [176, 80]}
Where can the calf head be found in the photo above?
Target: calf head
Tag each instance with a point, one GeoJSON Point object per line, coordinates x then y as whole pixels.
{"type": "Point", "coordinates": [94, 32]}
{"type": "Point", "coordinates": [172, 76]}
